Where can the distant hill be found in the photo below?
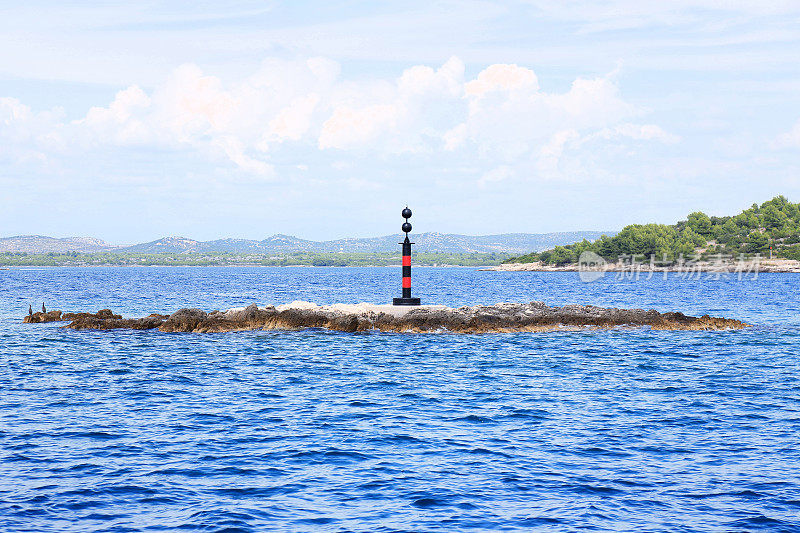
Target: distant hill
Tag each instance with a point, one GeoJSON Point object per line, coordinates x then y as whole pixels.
{"type": "Point", "coordinates": [514, 243]}
{"type": "Point", "coordinates": [38, 244]}
{"type": "Point", "coordinates": [425, 242]}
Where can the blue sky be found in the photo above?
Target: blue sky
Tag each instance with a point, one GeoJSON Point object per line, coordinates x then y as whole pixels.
{"type": "Point", "coordinates": [134, 121]}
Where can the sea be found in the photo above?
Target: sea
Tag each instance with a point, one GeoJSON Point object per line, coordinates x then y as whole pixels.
{"type": "Point", "coordinates": [595, 430]}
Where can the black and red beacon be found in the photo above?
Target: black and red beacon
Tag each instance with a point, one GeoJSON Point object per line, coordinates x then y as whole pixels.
{"type": "Point", "coordinates": [406, 299]}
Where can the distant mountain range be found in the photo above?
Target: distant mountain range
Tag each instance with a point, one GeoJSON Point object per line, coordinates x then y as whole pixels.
{"type": "Point", "coordinates": [515, 243]}
{"type": "Point", "coordinates": [36, 244]}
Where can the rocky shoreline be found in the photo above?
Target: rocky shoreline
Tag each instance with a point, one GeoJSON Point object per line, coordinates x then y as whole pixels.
{"type": "Point", "coordinates": [498, 318]}
{"type": "Point", "coordinates": [749, 267]}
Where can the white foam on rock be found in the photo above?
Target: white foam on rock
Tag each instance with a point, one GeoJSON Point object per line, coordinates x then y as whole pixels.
{"type": "Point", "coordinates": [297, 304]}
{"type": "Point", "coordinates": [362, 308]}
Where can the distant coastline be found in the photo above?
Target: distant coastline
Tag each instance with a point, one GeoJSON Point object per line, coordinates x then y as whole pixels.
{"type": "Point", "coordinates": [703, 242]}
{"type": "Point", "coordinates": [786, 266]}
{"type": "Point", "coordinates": [426, 242]}
{"type": "Point", "coordinates": [298, 259]}
{"type": "Point", "coordinates": [241, 265]}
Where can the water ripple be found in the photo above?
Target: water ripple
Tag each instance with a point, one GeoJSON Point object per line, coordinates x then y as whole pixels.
{"type": "Point", "coordinates": [318, 431]}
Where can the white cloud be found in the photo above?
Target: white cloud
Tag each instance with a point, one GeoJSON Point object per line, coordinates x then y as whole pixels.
{"type": "Point", "coordinates": [502, 78]}
{"type": "Point", "coordinates": [411, 114]}
{"type": "Point", "coordinates": [235, 151]}
{"type": "Point", "coordinates": [500, 118]}
{"type": "Point", "coordinates": [120, 122]}
{"type": "Point", "coordinates": [421, 80]}
{"type": "Point", "coordinates": [495, 175]}
{"type": "Point", "coordinates": [550, 153]}
{"type": "Point", "coordinates": [292, 122]}
{"type": "Point", "coordinates": [351, 128]}
{"type": "Point", "coordinates": [192, 105]}
{"type": "Point", "coordinates": [555, 147]}
{"type": "Point", "coordinates": [16, 120]}
{"type": "Point", "coordinates": [790, 139]}
{"type": "Point", "coordinates": [28, 136]}
{"type": "Point", "coordinates": [519, 119]}
{"type": "Point", "coordinates": [455, 137]}
{"type": "Point", "coordinates": [640, 132]}
{"type": "Point", "coordinates": [13, 111]}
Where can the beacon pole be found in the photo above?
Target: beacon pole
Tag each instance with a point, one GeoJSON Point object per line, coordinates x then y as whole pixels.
{"type": "Point", "coordinates": [406, 299]}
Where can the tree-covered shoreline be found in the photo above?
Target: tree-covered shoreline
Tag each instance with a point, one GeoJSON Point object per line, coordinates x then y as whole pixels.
{"type": "Point", "coordinates": [9, 259]}
{"type": "Point", "coordinates": [775, 223]}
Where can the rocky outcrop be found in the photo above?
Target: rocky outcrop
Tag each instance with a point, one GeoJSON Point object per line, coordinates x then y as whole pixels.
{"type": "Point", "coordinates": [89, 321]}
{"type": "Point", "coordinates": [58, 316]}
{"type": "Point", "coordinates": [103, 314]}
{"type": "Point", "coordinates": [39, 317]}
{"type": "Point", "coordinates": [504, 317]}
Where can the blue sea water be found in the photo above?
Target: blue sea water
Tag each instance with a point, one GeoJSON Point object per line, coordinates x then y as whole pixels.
{"type": "Point", "coordinates": [323, 431]}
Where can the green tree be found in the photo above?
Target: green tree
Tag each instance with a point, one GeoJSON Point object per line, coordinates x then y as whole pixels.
{"type": "Point", "coordinates": [757, 242]}
{"type": "Point", "coordinates": [773, 217]}
{"type": "Point", "coordinates": [700, 223]}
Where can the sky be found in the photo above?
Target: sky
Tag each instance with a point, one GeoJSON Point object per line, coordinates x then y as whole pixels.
{"type": "Point", "coordinates": [133, 121]}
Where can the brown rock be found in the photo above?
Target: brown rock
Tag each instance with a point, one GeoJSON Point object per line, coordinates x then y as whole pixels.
{"type": "Point", "coordinates": [39, 317]}
{"type": "Point", "coordinates": [184, 320]}
{"type": "Point", "coordinates": [505, 317]}
{"type": "Point", "coordinates": [101, 314]}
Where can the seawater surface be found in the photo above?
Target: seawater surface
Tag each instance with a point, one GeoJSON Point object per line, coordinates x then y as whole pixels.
{"type": "Point", "coordinates": [609, 430]}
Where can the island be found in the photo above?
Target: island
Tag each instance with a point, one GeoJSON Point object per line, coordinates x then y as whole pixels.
{"type": "Point", "coordinates": [764, 238]}
{"type": "Point", "coordinates": [364, 317]}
